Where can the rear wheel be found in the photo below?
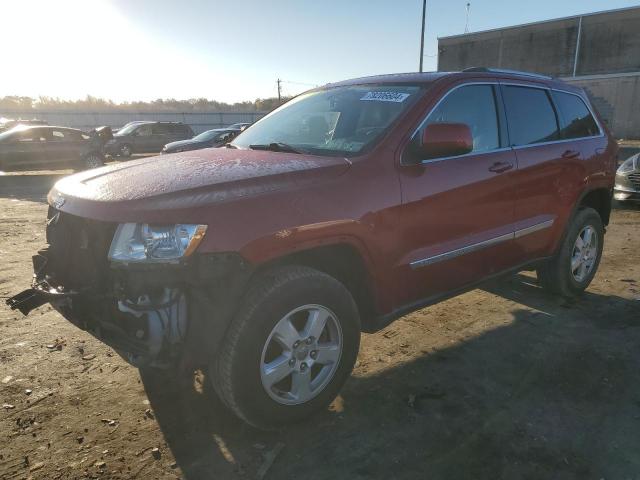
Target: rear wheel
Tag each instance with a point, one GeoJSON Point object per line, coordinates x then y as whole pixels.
{"type": "Point", "coordinates": [289, 349]}
{"type": "Point", "coordinates": [570, 272]}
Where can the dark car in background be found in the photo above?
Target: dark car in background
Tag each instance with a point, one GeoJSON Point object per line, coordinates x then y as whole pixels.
{"type": "Point", "coordinates": [146, 137]}
{"type": "Point", "coordinates": [44, 148]}
{"type": "Point", "coordinates": [210, 138]}
{"type": "Point", "coordinates": [627, 185]}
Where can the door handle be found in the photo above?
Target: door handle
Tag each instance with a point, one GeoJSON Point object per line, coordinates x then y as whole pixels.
{"type": "Point", "coordinates": [500, 167]}
{"type": "Point", "coordinates": [570, 154]}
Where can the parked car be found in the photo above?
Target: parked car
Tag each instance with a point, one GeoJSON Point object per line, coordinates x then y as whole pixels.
{"type": "Point", "coordinates": [627, 185]}
{"type": "Point", "coordinates": [146, 137]}
{"type": "Point", "coordinates": [241, 125]}
{"type": "Point", "coordinates": [44, 147]}
{"type": "Point", "coordinates": [338, 212]}
{"type": "Point", "coordinates": [8, 124]}
{"type": "Point", "coordinates": [210, 138]}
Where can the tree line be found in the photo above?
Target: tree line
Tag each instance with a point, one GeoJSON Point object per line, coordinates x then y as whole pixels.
{"type": "Point", "coordinates": [30, 105]}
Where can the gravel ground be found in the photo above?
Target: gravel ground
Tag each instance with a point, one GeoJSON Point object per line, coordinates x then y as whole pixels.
{"type": "Point", "coordinates": [502, 382]}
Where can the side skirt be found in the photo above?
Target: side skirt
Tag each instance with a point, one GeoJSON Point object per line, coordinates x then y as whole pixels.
{"type": "Point", "coordinates": [384, 320]}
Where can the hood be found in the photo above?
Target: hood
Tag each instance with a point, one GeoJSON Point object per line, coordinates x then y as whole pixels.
{"type": "Point", "coordinates": [186, 180]}
{"type": "Point", "coordinates": [185, 143]}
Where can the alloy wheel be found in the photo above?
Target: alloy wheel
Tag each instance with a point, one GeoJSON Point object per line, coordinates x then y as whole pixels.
{"type": "Point", "coordinates": [301, 354]}
{"type": "Point", "coordinates": [93, 161]}
{"type": "Point", "coordinates": [584, 254]}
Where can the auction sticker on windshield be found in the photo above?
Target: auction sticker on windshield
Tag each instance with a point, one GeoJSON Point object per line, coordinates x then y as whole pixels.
{"type": "Point", "coordinates": [385, 96]}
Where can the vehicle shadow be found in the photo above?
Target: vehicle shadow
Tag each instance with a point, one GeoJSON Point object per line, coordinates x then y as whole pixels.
{"type": "Point", "coordinates": [33, 188]}
{"type": "Point", "coordinates": [552, 393]}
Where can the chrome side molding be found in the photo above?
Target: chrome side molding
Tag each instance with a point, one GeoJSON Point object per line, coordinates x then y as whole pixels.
{"type": "Point", "coordinates": [480, 245]}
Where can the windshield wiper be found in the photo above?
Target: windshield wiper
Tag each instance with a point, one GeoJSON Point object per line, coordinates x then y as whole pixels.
{"type": "Point", "coordinates": [275, 147]}
{"type": "Point", "coordinates": [229, 145]}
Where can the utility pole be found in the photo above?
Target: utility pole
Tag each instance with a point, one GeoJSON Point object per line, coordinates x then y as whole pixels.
{"type": "Point", "coordinates": [424, 11]}
{"type": "Point", "coordinates": [466, 23]}
{"type": "Point", "coordinates": [279, 92]}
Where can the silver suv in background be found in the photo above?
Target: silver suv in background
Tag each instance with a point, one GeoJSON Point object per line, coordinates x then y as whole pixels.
{"type": "Point", "coordinates": [627, 185]}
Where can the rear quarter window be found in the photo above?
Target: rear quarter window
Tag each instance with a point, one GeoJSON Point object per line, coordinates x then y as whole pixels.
{"type": "Point", "coordinates": [576, 120]}
{"type": "Point", "coordinates": [530, 115]}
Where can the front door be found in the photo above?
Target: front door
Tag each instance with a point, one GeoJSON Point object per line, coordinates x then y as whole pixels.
{"type": "Point", "coordinates": [458, 212]}
{"type": "Point", "coordinates": [142, 139]}
{"type": "Point", "coordinates": [25, 150]}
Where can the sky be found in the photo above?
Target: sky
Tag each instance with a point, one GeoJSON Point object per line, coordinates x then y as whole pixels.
{"type": "Point", "coordinates": [231, 51]}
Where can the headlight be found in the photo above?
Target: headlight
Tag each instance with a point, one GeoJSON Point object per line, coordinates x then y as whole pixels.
{"type": "Point", "coordinates": [627, 166]}
{"type": "Point", "coordinates": [143, 242]}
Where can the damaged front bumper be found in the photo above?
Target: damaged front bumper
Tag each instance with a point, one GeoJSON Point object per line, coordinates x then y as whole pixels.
{"type": "Point", "coordinates": [152, 315]}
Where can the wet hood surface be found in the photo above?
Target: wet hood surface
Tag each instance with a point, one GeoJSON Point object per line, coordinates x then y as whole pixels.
{"type": "Point", "coordinates": [188, 179]}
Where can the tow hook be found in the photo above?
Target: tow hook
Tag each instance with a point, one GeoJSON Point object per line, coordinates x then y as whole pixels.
{"type": "Point", "coordinates": [27, 300]}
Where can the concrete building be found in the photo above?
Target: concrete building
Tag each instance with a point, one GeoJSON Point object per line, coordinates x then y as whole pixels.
{"type": "Point", "coordinates": [598, 51]}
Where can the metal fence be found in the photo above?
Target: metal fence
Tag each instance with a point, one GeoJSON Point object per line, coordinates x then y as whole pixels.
{"type": "Point", "coordinates": [199, 122]}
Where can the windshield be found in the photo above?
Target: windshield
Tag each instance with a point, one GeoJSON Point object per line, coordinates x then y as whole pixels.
{"type": "Point", "coordinates": [335, 121]}
{"type": "Point", "coordinates": [208, 135]}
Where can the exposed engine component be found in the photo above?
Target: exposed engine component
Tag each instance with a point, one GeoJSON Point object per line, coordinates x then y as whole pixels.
{"type": "Point", "coordinates": [166, 322]}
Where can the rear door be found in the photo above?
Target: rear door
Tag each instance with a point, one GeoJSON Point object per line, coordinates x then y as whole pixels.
{"type": "Point", "coordinates": [163, 133]}
{"type": "Point", "coordinates": [550, 168]}
{"type": "Point", "coordinates": [457, 212]}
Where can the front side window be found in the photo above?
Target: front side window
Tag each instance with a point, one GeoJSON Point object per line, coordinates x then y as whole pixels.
{"type": "Point", "coordinates": [530, 115]}
{"type": "Point", "coordinates": [334, 121]}
{"type": "Point", "coordinates": [474, 106]}
{"type": "Point", "coordinates": [143, 130]}
{"type": "Point", "coordinates": [576, 120]}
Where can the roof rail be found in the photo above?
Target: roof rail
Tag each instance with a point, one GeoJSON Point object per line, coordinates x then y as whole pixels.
{"type": "Point", "coordinates": [505, 70]}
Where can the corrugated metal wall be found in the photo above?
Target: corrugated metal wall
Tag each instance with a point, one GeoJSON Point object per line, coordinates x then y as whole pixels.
{"type": "Point", "coordinates": [199, 122]}
{"type": "Point", "coordinates": [599, 51]}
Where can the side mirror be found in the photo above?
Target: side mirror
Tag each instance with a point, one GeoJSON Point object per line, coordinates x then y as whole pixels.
{"type": "Point", "coordinates": [444, 140]}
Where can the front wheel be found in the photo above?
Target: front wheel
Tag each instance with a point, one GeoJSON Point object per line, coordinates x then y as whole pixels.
{"type": "Point", "coordinates": [125, 150]}
{"type": "Point", "coordinates": [93, 161]}
{"type": "Point", "coordinates": [289, 349]}
{"type": "Point", "coordinates": [570, 272]}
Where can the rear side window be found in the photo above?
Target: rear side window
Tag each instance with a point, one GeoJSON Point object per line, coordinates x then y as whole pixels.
{"type": "Point", "coordinates": [475, 106]}
{"type": "Point", "coordinates": [161, 129]}
{"type": "Point", "coordinates": [530, 115]}
{"type": "Point", "coordinates": [576, 120]}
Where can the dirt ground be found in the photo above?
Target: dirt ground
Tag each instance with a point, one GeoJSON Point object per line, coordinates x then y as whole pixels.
{"type": "Point", "coordinates": [502, 382]}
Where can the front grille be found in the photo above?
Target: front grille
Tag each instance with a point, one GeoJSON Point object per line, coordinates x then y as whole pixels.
{"type": "Point", "coordinates": [77, 254]}
{"type": "Point", "coordinates": [634, 178]}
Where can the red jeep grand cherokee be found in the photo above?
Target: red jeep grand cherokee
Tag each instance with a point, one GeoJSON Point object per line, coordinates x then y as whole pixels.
{"type": "Point", "coordinates": [347, 207]}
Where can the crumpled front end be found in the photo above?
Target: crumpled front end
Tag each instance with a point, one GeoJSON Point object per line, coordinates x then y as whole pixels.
{"type": "Point", "coordinates": [145, 312]}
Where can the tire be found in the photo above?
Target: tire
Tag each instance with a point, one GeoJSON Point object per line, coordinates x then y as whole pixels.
{"type": "Point", "coordinates": [287, 296]}
{"type": "Point", "coordinates": [93, 161]}
{"type": "Point", "coordinates": [125, 150]}
{"type": "Point", "coordinates": [570, 272]}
